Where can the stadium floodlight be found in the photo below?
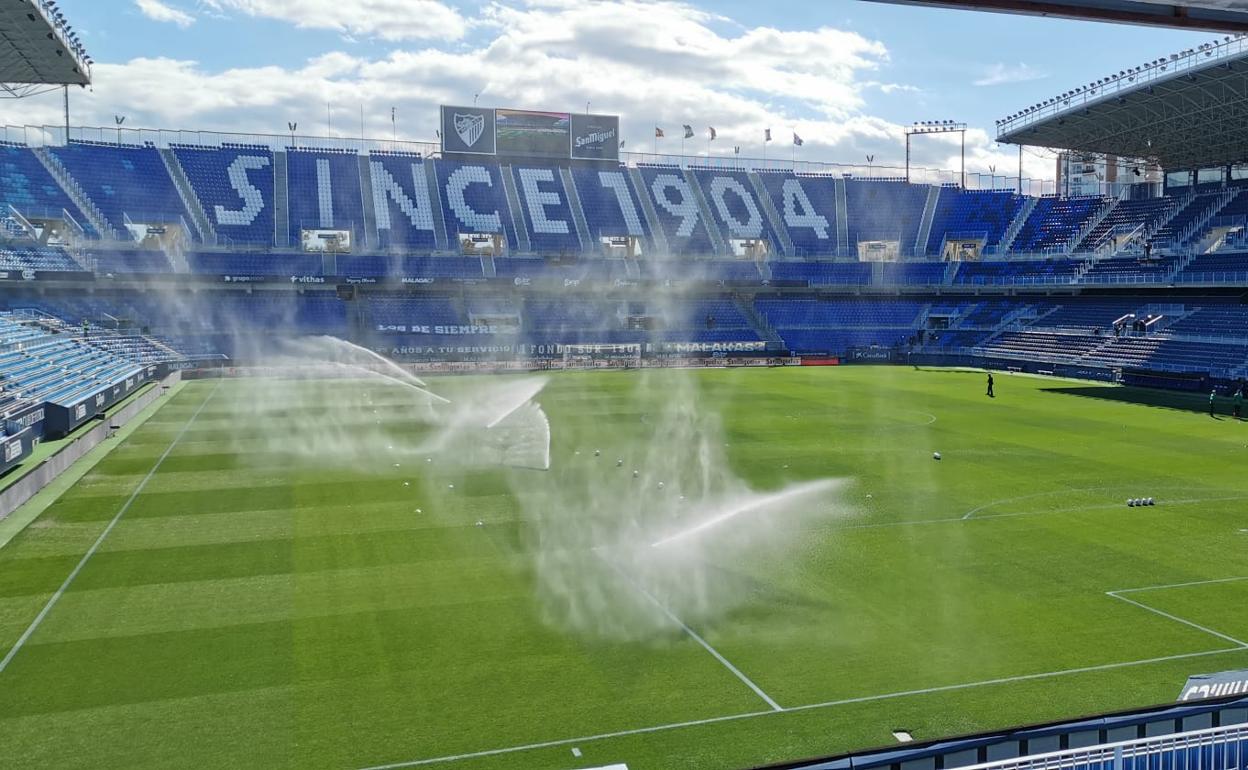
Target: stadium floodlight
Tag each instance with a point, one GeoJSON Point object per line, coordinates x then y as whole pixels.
{"type": "Point", "coordinates": [941, 127]}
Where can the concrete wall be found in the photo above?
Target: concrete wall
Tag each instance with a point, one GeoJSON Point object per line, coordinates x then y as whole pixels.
{"type": "Point", "coordinates": [31, 483]}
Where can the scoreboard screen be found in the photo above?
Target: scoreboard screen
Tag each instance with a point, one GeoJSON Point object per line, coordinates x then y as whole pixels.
{"type": "Point", "coordinates": [532, 134]}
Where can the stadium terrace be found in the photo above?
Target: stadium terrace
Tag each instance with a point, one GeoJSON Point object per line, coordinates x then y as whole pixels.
{"type": "Point", "coordinates": [519, 451]}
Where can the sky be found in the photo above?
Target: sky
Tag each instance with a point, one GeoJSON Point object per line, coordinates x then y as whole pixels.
{"type": "Point", "coordinates": [845, 75]}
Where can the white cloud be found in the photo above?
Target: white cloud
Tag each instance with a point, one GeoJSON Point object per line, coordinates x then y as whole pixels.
{"type": "Point", "coordinates": [652, 63]}
{"type": "Point", "coordinates": [385, 19]}
{"type": "Point", "coordinates": [158, 11]}
{"type": "Point", "coordinates": [1002, 74]}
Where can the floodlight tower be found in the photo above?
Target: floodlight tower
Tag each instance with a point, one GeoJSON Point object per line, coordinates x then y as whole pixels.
{"type": "Point", "coordinates": [937, 127]}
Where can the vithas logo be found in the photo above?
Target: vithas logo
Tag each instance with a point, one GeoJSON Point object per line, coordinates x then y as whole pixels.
{"type": "Point", "coordinates": [469, 127]}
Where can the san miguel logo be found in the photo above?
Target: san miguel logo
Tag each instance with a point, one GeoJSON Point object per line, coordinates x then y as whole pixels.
{"type": "Point", "coordinates": [469, 128]}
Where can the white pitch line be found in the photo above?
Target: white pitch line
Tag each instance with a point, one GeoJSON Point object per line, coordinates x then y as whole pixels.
{"type": "Point", "coordinates": [692, 634]}
{"type": "Point", "coordinates": [812, 706]}
{"type": "Point", "coordinates": [56, 597]}
{"type": "Point", "coordinates": [1180, 585]}
{"type": "Point", "coordinates": [1177, 619]}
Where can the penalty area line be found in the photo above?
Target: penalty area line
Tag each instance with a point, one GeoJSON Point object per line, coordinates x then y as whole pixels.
{"type": "Point", "coordinates": [810, 707]}
{"type": "Point", "coordinates": [56, 597]}
{"type": "Point", "coordinates": [1117, 595]}
{"type": "Point", "coordinates": [692, 634]}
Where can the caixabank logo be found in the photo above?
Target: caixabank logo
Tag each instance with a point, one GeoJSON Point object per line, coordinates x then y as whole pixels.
{"type": "Point", "coordinates": [468, 130]}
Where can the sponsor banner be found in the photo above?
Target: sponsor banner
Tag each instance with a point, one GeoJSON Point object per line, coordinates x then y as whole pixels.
{"type": "Point", "coordinates": [44, 275]}
{"type": "Point", "coordinates": [711, 347]}
{"type": "Point", "coordinates": [532, 134]}
{"type": "Point", "coordinates": [871, 354]}
{"type": "Point", "coordinates": [246, 278]}
{"type": "Point", "coordinates": [595, 137]}
{"type": "Point", "coordinates": [23, 420]}
{"type": "Point", "coordinates": [80, 412]}
{"type": "Point", "coordinates": [307, 279]}
{"type": "Point", "coordinates": [486, 330]}
{"type": "Point", "coordinates": [12, 450]}
{"type": "Point", "coordinates": [468, 130]}
{"type": "Point", "coordinates": [1205, 686]}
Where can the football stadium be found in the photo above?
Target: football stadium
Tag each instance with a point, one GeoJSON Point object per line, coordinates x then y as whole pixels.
{"type": "Point", "coordinates": [517, 448]}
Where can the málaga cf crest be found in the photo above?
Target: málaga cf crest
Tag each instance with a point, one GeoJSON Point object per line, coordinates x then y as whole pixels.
{"type": "Point", "coordinates": [469, 127]}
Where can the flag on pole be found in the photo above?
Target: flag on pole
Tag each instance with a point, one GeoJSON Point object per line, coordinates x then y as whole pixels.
{"type": "Point", "coordinates": [658, 133]}
{"type": "Point", "coordinates": [736, 150]}
{"type": "Point", "coordinates": [713, 134]}
{"type": "Point", "coordinates": [766, 134]}
{"type": "Point", "coordinates": [688, 131]}
{"type": "Point", "coordinates": [797, 140]}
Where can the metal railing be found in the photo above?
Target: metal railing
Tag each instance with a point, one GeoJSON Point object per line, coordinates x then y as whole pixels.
{"type": "Point", "coordinates": [55, 136]}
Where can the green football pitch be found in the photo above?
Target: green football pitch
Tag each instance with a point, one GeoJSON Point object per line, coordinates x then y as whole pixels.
{"type": "Point", "coordinates": [224, 589]}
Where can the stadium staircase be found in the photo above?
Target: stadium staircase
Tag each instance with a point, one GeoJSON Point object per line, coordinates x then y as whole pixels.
{"type": "Point", "coordinates": [1093, 222]}
{"type": "Point", "coordinates": [1011, 232]}
{"type": "Point", "coordinates": [517, 213]}
{"type": "Point", "coordinates": [647, 207]}
{"type": "Point", "coordinates": [773, 216]}
{"type": "Point", "coordinates": [925, 223]}
{"type": "Point", "coordinates": [190, 201]}
{"type": "Point", "coordinates": [759, 323]}
{"type": "Point", "coordinates": [951, 273]}
{"type": "Point", "coordinates": [632, 269]}
{"type": "Point", "coordinates": [578, 214]}
{"type": "Point", "coordinates": [94, 216]}
{"type": "Point", "coordinates": [488, 269]}
{"type": "Point", "coordinates": [842, 218]}
{"type": "Point", "coordinates": [371, 236]}
{"type": "Point", "coordinates": [440, 236]}
{"type": "Point", "coordinates": [1198, 225]}
{"type": "Point", "coordinates": [281, 200]}
{"type": "Point", "coordinates": [718, 244]}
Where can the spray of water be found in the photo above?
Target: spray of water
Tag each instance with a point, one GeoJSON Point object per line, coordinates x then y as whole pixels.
{"type": "Point", "coordinates": [338, 406]}
{"type": "Point", "coordinates": [664, 508]}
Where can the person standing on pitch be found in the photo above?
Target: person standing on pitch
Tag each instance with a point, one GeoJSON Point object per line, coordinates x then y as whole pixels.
{"type": "Point", "coordinates": [1239, 403]}
{"type": "Point", "coordinates": [1213, 394]}
{"type": "Point", "coordinates": [990, 395]}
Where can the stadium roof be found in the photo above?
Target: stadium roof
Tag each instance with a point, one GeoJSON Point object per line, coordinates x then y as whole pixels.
{"type": "Point", "coordinates": [1187, 110]}
{"type": "Point", "coordinates": [1214, 15]}
{"type": "Point", "coordinates": [38, 48]}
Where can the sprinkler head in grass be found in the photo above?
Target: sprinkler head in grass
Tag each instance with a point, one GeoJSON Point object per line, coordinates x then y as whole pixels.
{"type": "Point", "coordinates": [450, 486]}
{"type": "Point", "coordinates": [597, 453]}
{"type": "Point", "coordinates": [636, 474]}
{"type": "Point", "coordinates": [619, 463]}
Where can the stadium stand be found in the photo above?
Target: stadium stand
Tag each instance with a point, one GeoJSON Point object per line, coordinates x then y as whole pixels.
{"type": "Point", "coordinates": [884, 211]}
{"type": "Point", "coordinates": [972, 214]}
{"type": "Point", "coordinates": [474, 201]}
{"type": "Point", "coordinates": [679, 214]}
{"type": "Point", "coordinates": [806, 204]}
{"type": "Point", "coordinates": [324, 192]}
{"type": "Point", "coordinates": [27, 187]}
{"type": "Point", "coordinates": [128, 184]}
{"type": "Point", "coordinates": [401, 201]}
{"type": "Point", "coordinates": [234, 184]}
